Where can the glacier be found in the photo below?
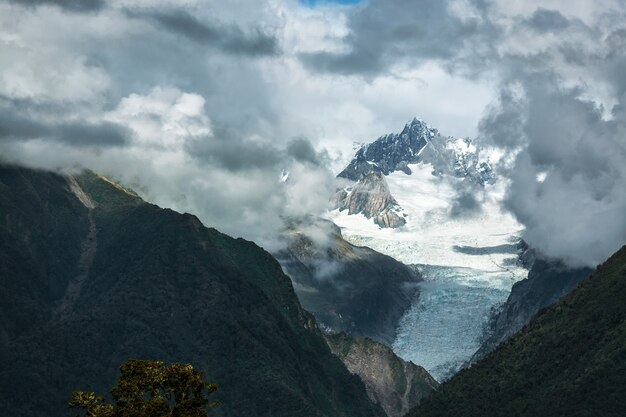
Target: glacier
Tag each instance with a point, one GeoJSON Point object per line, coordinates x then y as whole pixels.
{"type": "Point", "coordinates": [469, 263]}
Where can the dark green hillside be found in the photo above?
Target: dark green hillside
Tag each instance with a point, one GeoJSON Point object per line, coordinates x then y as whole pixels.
{"type": "Point", "coordinates": [84, 289]}
{"type": "Point", "coordinates": [365, 293]}
{"type": "Point", "coordinates": [547, 281]}
{"type": "Point", "coordinates": [569, 361]}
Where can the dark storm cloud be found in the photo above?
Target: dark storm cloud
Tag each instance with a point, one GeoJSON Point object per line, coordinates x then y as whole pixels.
{"type": "Point", "coordinates": [614, 62]}
{"type": "Point", "coordinates": [230, 151]}
{"type": "Point", "coordinates": [235, 154]}
{"type": "Point", "coordinates": [230, 39]}
{"type": "Point", "coordinates": [503, 122]}
{"type": "Point", "coordinates": [79, 6]}
{"type": "Point", "coordinates": [544, 20]}
{"type": "Point", "coordinates": [302, 150]}
{"type": "Point", "coordinates": [384, 32]}
{"type": "Point", "coordinates": [15, 126]}
{"type": "Point", "coordinates": [567, 182]}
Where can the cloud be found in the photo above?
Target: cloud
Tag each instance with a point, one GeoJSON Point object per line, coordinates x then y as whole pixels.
{"type": "Point", "coordinates": [567, 182]}
{"type": "Point", "coordinates": [302, 150]}
{"type": "Point", "coordinates": [173, 156]}
{"type": "Point", "coordinates": [544, 20]}
{"type": "Point", "coordinates": [79, 6]}
{"type": "Point", "coordinates": [179, 100]}
{"type": "Point", "coordinates": [383, 34]}
{"type": "Point", "coordinates": [230, 39]}
{"type": "Point", "coordinates": [465, 204]}
{"type": "Point", "coordinates": [236, 154]}
{"type": "Point", "coordinates": [18, 127]}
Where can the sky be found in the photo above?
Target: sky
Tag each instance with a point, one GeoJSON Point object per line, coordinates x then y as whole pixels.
{"type": "Point", "coordinates": [200, 105]}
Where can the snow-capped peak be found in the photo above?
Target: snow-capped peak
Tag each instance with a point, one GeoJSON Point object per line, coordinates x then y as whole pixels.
{"type": "Point", "coordinates": [419, 142]}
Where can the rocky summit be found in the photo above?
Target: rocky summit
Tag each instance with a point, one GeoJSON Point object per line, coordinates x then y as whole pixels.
{"type": "Point", "coordinates": [391, 152]}
{"type": "Point", "coordinates": [419, 142]}
{"type": "Point", "coordinates": [371, 197]}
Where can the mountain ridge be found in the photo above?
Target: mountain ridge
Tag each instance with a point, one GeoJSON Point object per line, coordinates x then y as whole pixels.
{"type": "Point", "coordinates": [390, 152]}
{"type": "Point", "coordinates": [160, 286]}
{"type": "Point", "coordinates": [346, 287]}
{"type": "Point", "coordinates": [417, 143]}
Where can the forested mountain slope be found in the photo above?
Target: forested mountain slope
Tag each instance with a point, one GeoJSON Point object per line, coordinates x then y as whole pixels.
{"type": "Point", "coordinates": [91, 275]}
{"type": "Point", "coordinates": [570, 360]}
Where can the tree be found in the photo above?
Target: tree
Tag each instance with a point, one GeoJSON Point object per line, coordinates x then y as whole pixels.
{"type": "Point", "coordinates": [150, 389]}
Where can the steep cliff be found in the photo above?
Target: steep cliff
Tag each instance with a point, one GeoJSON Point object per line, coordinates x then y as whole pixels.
{"type": "Point", "coordinates": [346, 287]}
{"type": "Point", "coordinates": [548, 280]}
{"type": "Point", "coordinates": [395, 384]}
{"type": "Point", "coordinates": [371, 197]}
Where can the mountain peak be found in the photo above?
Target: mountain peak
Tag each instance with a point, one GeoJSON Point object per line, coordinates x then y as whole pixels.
{"type": "Point", "coordinates": [420, 142]}
{"type": "Point", "coordinates": [391, 152]}
{"type": "Point", "coordinates": [417, 122]}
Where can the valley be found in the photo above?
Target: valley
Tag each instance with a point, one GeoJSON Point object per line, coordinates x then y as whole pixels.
{"type": "Point", "coordinates": [466, 253]}
{"type": "Point", "coordinates": [312, 208]}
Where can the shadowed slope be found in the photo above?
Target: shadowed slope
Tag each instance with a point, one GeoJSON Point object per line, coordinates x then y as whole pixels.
{"type": "Point", "coordinates": [160, 286]}
{"type": "Point", "coordinates": [569, 361]}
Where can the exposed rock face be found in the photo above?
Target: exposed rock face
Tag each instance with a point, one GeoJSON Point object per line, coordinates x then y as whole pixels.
{"type": "Point", "coordinates": [395, 384]}
{"type": "Point", "coordinates": [371, 197]}
{"type": "Point", "coordinates": [153, 284]}
{"type": "Point", "coordinates": [346, 287]}
{"type": "Point", "coordinates": [548, 280]}
{"type": "Point", "coordinates": [389, 219]}
{"type": "Point", "coordinates": [418, 142]}
{"type": "Point", "coordinates": [391, 152]}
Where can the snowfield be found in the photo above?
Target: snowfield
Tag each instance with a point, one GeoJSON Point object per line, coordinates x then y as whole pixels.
{"type": "Point", "coordinates": [431, 233]}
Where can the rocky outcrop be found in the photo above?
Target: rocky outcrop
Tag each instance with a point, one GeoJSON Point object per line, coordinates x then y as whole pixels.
{"type": "Point", "coordinates": [371, 197]}
{"type": "Point", "coordinates": [395, 384]}
{"type": "Point", "coordinates": [548, 280]}
{"type": "Point", "coordinates": [389, 219]}
{"type": "Point", "coordinates": [346, 287]}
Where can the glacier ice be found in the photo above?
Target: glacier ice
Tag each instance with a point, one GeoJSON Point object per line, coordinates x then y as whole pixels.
{"type": "Point", "coordinates": [468, 264]}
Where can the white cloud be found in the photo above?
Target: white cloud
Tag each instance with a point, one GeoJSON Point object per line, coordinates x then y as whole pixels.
{"type": "Point", "coordinates": [204, 115]}
{"type": "Point", "coordinates": [165, 117]}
